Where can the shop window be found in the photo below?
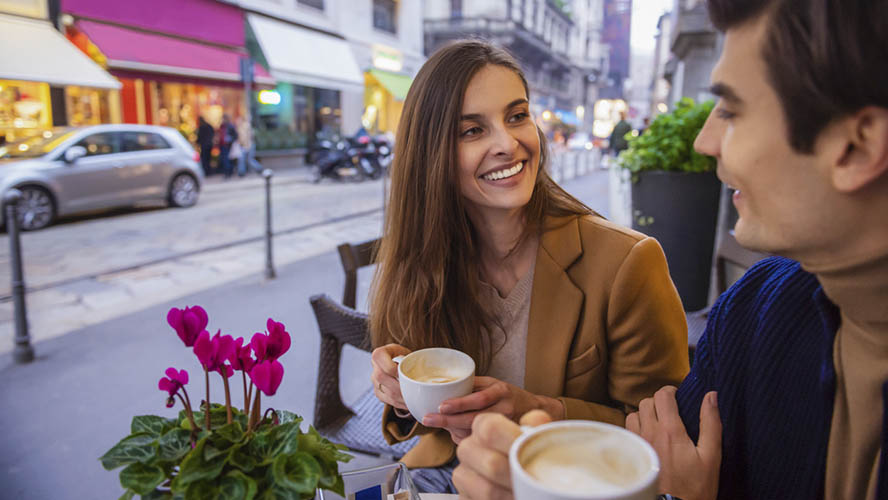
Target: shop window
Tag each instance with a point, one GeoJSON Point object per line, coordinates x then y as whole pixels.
{"type": "Point", "coordinates": [99, 144]}
{"type": "Point", "coordinates": [142, 141]}
{"type": "Point", "coordinates": [385, 15]}
{"type": "Point", "coordinates": [318, 4]}
{"type": "Point", "coordinates": [24, 108]}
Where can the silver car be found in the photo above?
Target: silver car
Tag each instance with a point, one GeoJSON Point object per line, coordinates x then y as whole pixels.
{"type": "Point", "coordinates": [70, 170]}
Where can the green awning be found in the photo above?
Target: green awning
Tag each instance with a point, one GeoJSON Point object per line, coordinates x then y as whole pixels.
{"type": "Point", "coordinates": [396, 84]}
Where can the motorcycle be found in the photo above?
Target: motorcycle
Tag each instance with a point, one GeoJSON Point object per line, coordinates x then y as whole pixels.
{"type": "Point", "coordinates": [353, 159]}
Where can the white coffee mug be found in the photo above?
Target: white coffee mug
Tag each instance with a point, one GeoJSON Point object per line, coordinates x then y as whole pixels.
{"type": "Point", "coordinates": [428, 377]}
{"type": "Point", "coordinates": [582, 460]}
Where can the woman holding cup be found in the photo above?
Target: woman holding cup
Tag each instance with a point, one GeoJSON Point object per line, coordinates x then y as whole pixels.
{"type": "Point", "coordinates": [484, 253]}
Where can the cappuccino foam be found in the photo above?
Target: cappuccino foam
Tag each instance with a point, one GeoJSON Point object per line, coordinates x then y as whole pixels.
{"type": "Point", "coordinates": [432, 371]}
{"type": "Point", "coordinates": [584, 461]}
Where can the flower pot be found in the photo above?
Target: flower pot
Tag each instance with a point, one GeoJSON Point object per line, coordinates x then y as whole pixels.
{"type": "Point", "coordinates": [680, 210]}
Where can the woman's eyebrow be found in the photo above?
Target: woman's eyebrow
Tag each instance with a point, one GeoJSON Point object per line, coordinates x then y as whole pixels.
{"type": "Point", "coordinates": [478, 116]}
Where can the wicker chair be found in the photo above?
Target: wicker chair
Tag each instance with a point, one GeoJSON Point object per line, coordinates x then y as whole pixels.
{"type": "Point", "coordinates": [360, 427]}
{"type": "Point", "coordinates": [354, 257]}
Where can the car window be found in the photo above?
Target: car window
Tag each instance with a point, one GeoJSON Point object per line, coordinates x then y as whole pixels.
{"type": "Point", "coordinates": [99, 144]}
{"type": "Point", "coordinates": [142, 141]}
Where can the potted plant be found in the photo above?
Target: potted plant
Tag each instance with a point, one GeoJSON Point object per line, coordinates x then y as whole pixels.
{"type": "Point", "coordinates": [675, 196]}
{"type": "Point", "coordinates": [220, 451]}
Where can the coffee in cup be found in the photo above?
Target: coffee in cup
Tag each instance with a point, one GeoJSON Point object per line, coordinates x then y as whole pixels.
{"type": "Point", "coordinates": [573, 460]}
{"type": "Point", "coordinates": [428, 377]}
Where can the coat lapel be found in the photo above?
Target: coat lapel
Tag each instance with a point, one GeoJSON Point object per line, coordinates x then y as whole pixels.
{"type": "Point", "coordinates": [555, 308]}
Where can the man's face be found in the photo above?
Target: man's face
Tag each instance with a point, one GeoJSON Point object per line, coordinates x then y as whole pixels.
{"type": "Point", "coordinates": [782, 196]}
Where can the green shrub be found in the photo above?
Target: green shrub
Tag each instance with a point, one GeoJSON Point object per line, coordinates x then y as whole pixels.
{"type": "Point", "coordinates": [668, 143]}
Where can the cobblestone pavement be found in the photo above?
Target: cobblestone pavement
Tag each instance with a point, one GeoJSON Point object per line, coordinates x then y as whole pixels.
{"type": "Point", "coordinates": [88, 270]}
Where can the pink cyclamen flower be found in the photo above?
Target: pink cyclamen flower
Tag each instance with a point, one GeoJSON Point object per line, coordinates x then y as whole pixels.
{"type": "Point", "coordinates": [242, 359]}
{"type": "Point", "coordinates": [214, 352]}
{"type": "Point", "coordinates": [173, 381]}
{"type": "Point", "coordinates": [188, 323]}
{"type": "Point", "coordinates": [267, 376]}
{"type": "Point", "coordinates": [274, 344]}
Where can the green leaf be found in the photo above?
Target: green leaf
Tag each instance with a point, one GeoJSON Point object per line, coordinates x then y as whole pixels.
{"type": "Point", "coordinates": [237, 486]}
{"type": "Point", "coordinates": [158, 495]}
{"type": "Point", "coordinates": [141, 478]}
{"type": "Point", "coordinates": [174, 444]}
{"type": "Point", "coordinates": [240, 457]}
{"type": "Point", "coordinates": [260, 448]}
{"type": "Point", "coordinates": [285, 438]}
{"type": "Point", "coordinates": [232, 432]}
{"type": "Point", "coordinates": [195, 467]}
{"type": "Point", "coordinates": [286, 417]}
{"type": "Point", "coordinates": [151, 425]}
{"type": "Point", "coordinates": [202, 490]}
{"type": "Point", "coordinates": [127, 495]}
{"type": "Point", "coordinates": [298, 471]}
{"type": "Point", "coordinates": [139, 447]}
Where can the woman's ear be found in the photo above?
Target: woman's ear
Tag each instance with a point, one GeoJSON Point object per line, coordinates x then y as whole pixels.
{"type": "Point", "coordinates": [863, 157]}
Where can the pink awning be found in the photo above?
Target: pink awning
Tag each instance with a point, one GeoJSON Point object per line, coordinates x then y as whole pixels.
{"type": "Point", "coordinates": [139, 51]}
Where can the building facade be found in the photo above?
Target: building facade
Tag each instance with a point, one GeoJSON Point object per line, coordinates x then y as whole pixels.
{"type": "Point", "coordinates": [616, 35]}
{"type": "Point", "coordinates": [340, 64]}
{"type": "Point", "coordinates": [176, 61]}
{"type": "Point", "coordinates": [558, 44]}
{"type": "Point", "coordinates": [44, 80]}
{"type": "Point", "coordinates": [695, 47]}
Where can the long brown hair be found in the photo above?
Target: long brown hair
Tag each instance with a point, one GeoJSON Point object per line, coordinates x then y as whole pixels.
{"type": "Point", "coordinates": [426, 291]}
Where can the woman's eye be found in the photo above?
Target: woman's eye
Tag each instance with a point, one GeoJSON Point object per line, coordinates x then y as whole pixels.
{"type": "Point", "coordinates": [517, 117]}
{"type": "Point", "coordinates": [470, 132]}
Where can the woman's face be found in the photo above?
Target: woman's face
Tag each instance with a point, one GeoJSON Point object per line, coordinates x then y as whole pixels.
{"type": "Point", "coordinates": [498, 146]}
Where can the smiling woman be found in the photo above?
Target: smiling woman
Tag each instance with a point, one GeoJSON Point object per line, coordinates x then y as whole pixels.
{"type": "Point", "coordinates": [482, 252]}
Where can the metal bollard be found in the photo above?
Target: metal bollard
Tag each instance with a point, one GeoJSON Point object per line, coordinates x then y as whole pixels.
{"type": "Point", "coordinates": [269, 263]}
{"type": "Point", "coordinates": [23, 352]}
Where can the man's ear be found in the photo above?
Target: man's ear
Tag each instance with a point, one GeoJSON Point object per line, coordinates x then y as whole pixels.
{"type": "Point", "coordinates": [864, 155]}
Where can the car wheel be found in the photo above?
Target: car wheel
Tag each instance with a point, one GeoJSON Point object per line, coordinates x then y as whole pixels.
{"type": "Point", "coordinates": [35, 210]}
{"type": "Point", "coordinates": [183, 191]}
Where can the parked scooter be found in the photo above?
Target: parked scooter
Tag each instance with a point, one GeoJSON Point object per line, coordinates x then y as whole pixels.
{"type": "Point", "coordinates": [353, 159]}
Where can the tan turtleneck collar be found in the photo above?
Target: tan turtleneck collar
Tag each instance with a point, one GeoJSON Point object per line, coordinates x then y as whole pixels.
{"type": "Point", "coordinates": [860, 357]}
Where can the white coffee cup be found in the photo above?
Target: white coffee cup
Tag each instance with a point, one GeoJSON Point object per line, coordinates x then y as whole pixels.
{"type": "Point", "coordinates": [428, 377]}
{"type": "Point", "coordinates": [582, 460]}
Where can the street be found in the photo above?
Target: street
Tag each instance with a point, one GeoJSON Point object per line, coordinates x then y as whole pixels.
{"type": "Point", "coordinates": [76, 400]}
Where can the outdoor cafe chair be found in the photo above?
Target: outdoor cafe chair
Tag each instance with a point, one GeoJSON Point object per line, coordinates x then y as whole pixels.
{"type": "Point", "coordinates": [358, 427]}
{"type": "Point", "coordinates": [728, 251]}
{"type": "Point", "coordinates": [354, 257]}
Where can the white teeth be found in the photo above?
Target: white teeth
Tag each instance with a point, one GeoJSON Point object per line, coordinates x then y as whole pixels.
{"type": "Point", "coordinates": [505, 174]}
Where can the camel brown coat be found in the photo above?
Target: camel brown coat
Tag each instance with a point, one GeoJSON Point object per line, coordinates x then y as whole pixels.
{"type": "Point", "coordinates": [606, 329]}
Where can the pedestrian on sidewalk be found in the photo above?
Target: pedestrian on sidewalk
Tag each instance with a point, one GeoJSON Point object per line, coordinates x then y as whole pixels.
{"type": "Point", "coordinates": [205, 135]}
{"type": "Point", "coordinates": [227, 135]}
{"type": "Point", "coordinates": [247, 160]}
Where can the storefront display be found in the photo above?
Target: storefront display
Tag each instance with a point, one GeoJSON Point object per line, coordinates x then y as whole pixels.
{"type": "Point", "coordinates": [24, 107]}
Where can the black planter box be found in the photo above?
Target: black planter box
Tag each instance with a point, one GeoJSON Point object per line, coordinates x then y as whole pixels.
{"type": "Point", "coordinates": [680, 210]}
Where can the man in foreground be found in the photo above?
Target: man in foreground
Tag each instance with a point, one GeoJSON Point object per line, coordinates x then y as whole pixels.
{"type": "Point", "coordinates": [797, 350]}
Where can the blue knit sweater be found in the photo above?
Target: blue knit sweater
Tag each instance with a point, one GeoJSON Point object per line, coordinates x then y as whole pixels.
{"type": "Point", "coordinates": [768, 351]}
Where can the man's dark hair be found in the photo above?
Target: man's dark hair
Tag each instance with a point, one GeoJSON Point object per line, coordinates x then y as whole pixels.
{"type": "Point", "coordinates": [825, 58]}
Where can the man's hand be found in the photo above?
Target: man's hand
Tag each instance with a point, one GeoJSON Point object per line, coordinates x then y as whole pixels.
{"type": "Point", "coordinates": [385, 374]}
{"type": "Point", "coordinates": [491, 396]}
{"type": "Point", "coordinates": [483, 471]}
{"type": "Point", "coordinates": [686, 471]}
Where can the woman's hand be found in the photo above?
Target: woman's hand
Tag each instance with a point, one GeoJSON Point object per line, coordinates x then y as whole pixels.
{"type": "Point", "coordinates": [483, 470]}
{"type": "Point", "coordinates": [385, 374]}
{"type": "Point", "coordinates": [490, 395]}
{"type": "Point", "coordinates": [687, 470]}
